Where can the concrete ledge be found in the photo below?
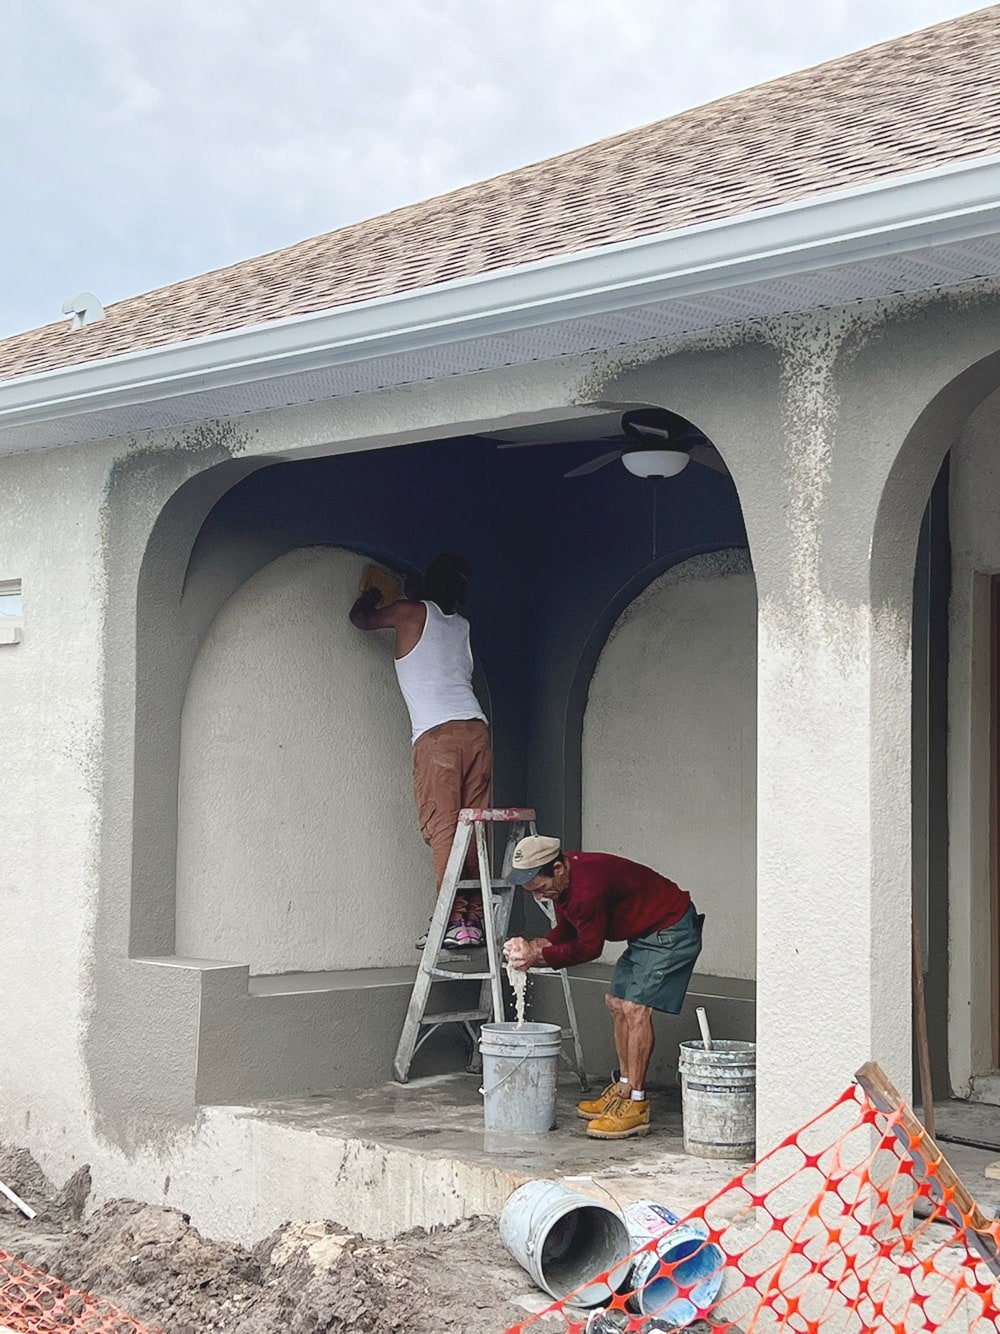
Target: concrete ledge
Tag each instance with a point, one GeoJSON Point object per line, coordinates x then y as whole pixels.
{"type": "Point", "coordinates": [299, 1034]}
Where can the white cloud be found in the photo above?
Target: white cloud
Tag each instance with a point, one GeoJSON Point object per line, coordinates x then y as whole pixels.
{"type": "Point", "coordinates": [156, 141]}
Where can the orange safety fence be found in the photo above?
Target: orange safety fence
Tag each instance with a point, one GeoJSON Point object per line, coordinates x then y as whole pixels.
{"type": "Point", "coordinates": [33, 1302]}
{"type": "Point", "coordinates": [854, 1223]}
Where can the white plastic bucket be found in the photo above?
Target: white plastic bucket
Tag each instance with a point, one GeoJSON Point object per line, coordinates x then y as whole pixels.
{"type": "Point", "coordinates": [719, 1099]}
{"type": "Point", "coordinates": [520, 1069]}
{"type": "Point", "coordinates": [694, 1264]}
{"type": "Point", "coordinates": [565, 1240]}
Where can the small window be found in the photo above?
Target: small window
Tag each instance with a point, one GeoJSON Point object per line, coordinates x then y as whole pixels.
{"type": "Point", "coordinates": [10, 599]}
{"type": "Point", "coordinates": [11, 611]}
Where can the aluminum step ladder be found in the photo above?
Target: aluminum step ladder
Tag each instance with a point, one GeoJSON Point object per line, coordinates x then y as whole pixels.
{"type": "Point", "coordinates": [498, 898]}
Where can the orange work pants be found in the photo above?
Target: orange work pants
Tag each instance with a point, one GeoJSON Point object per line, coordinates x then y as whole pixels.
{"type": "Point", "coordinates": [452, 769]}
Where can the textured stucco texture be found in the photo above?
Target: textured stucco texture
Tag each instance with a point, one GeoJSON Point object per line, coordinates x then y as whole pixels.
{"type": "Point", "coordinates": [669, 746]}
{"type": "Point", "coordinates": [298, 845]}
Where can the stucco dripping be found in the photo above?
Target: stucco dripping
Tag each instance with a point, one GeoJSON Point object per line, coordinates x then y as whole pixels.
{"type": "Point", "coordinates": [809, 349]}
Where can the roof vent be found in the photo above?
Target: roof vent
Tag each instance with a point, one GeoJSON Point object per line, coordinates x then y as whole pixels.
{"type": "Point", "coordinates": [85, 309]}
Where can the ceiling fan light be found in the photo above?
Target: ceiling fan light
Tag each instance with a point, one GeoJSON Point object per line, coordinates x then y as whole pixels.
{"type": "Point", "coordinates": [656, 462]}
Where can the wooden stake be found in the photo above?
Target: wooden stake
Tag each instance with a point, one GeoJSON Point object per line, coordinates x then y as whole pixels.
{"type": "Point", "coordinates": [947, 1190]}
{"type": "Point", "coordinates": [923, 1045]}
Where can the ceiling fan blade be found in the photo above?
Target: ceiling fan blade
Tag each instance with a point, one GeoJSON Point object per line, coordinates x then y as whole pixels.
{"type": "Point", "coordinates": [537, 444]}
{"type": "Point", "coordinates": [594, 464]}
{"type": "Point", "coordinates": [709, 457]}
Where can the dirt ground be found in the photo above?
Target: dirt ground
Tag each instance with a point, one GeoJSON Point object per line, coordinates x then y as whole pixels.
{"type": "Point", "coordinates": [306, 1278]}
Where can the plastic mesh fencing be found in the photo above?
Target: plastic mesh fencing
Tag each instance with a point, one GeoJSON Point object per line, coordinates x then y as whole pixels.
{"type": "Point", "coordinates": [33, 1302]}
{"type": "Point", "coordinates": [854, 1223]}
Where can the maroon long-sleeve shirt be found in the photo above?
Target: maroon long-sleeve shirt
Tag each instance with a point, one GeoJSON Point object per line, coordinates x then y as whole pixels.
{"type": "Point", "coordinates": [609, 898]}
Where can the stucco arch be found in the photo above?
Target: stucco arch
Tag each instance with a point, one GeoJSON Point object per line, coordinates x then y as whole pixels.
{"type": "Point", "coordinates": [961, 420]}
{"type": "Point", "coordinates": [189, 570]}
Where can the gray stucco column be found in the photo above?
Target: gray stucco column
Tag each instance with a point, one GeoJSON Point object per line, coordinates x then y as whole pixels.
{"type": "Point", "coordinates": [834, 881]}
{"type": "Point", "coordinates": [834, 554]}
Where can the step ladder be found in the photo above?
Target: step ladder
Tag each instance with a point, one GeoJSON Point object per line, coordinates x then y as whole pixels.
{"type": "Point", "coordinates": [498, 898]}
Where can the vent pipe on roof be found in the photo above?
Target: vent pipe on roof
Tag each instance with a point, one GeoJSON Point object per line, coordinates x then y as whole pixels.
{"type": "Point", "coordinates": [85, 309]}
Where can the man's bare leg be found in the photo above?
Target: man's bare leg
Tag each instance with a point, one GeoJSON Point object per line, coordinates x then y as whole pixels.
{"type": "Point", "coordinates": [621, 1035]}
{"type": "Point", "coordinates": [629, 1114]}
{"type": "Point", "coordinates": [640, 1040]}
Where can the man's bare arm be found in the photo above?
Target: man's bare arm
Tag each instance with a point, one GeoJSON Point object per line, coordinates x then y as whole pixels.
{"type": "Point", "coordinates": [406, 618]}
{"type": "Point", "coordinates": [366, 614]}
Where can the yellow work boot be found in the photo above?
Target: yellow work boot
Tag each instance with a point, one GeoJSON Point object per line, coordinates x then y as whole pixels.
{"type": "Point", "coordinates": [623, 1119]}
{"type": "Point", "coordinates": [598, 1106]}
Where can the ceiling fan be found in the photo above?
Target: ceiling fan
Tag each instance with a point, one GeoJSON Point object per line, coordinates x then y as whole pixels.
{"type": "Point", "coordinates": [665, 444]}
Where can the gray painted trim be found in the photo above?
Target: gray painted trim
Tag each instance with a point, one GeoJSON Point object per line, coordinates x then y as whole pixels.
{"type": "Point", "coordinates": [931, 594]}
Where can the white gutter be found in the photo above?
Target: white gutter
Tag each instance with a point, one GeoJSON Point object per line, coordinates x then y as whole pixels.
{"type": "Point", "coordinates": [947, 205]}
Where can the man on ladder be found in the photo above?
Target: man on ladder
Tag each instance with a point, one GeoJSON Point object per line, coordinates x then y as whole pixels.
{"type": "Point", "coordinates": [452, 755]}
{"type": "Point", "coordinates": [598, 898]}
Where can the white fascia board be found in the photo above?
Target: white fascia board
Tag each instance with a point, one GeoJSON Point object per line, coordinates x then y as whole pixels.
{"type": "Point", "coordinates": [947, 205]}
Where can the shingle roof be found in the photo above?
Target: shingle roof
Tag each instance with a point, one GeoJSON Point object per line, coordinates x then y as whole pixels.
{"type": "Point", "coordinates": [914, 103]}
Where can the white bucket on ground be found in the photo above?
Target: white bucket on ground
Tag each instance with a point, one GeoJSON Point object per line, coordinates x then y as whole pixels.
{"type": "Point", "coordinates": [719, 1099]}
{"type": "Point", "coordinates": [695, 1265]}
{"type": "Point", "coordinates": [520, 1069]}
{"type": "Point", "coordinates": [566, 1240]}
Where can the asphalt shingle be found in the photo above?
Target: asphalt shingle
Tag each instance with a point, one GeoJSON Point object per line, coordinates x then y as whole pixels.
{"type": "Point", "coordinates": [918, 102]}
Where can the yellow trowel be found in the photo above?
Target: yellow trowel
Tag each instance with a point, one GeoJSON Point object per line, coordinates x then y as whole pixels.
{"type": "Point", "coordinates": [389, 585]}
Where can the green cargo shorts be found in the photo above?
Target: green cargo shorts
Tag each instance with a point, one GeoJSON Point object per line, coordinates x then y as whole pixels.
{"type": "Point", "coordinates": [655, 970]}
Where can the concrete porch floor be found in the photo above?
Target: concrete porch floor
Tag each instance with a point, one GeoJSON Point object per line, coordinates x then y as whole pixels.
{"type": "Point", "coordinates": [386, 1159]}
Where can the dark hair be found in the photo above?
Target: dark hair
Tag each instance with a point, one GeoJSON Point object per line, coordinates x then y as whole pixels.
{"type": "Point", "coordinates": [549, 869]}
{"type": "Point", "coordinates": [445, 580]}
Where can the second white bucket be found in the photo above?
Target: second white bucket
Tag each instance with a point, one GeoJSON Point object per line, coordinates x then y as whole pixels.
{"type": "Point", "coordinates": [719, 1099]}
{"type": "Point", "coordinates": [520, 1069]}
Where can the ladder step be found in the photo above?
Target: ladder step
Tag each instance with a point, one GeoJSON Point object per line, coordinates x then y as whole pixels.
{"type": "Point", "coordinates": [456, 1017]}
{"type": "Point", "coordinates": [498, 886]}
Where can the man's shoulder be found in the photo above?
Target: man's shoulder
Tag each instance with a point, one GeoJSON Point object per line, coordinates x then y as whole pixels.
{"type": "Point", "coordinates": [597, 861]}
{"type": "Point", "coordinates": [588, 871]}
{"type": "Point", "coordinates": [406, 611]}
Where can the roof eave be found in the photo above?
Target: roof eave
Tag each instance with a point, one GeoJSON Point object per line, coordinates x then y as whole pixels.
{"type": "Point", "coordinates": [946, 205]}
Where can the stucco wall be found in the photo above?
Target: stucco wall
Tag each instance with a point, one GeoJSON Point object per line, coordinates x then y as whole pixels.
{"type": "Point", "coordinates": [50, 786]}
{"type": "Point", "coordinates": [975, 534]}
{"type": "Point", "coordinates": [297, 843]}
{"type": "Point", "coordinates": [669, 746]}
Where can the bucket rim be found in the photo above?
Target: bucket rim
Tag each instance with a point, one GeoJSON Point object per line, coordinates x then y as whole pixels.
{"type": "Point", "coordinates": [510, 1027]}
{"type": "Point", "coordinates": [720, 1047]}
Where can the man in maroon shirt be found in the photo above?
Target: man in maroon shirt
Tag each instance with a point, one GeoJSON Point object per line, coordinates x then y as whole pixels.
{"type": "Point", "coordinates": [598, 898]}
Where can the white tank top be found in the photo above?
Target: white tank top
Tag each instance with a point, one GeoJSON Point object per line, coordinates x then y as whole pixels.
{"type": "Point", "coordinates": [436, 675]}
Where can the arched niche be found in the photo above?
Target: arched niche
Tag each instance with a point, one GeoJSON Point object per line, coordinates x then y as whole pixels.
{"type": "Point", "coordinates": [298, 848]}
{"type": "Point", "coordinates": [669, 745]}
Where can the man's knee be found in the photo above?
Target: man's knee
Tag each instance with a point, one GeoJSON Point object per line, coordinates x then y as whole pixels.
{"type": "Point", "coordinates": [614, 1003]}
{"type": "Point", "coordinates": [634, 1013]}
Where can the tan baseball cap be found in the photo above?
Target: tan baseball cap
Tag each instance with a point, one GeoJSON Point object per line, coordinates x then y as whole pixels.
{"type": "Point", "coordinates": [530, 855]}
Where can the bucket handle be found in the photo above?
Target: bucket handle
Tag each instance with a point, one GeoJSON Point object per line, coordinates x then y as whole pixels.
{"type": "Point", "coordinates": [514, 1071]}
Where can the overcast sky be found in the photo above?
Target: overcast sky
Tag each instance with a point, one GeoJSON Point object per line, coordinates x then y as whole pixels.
{"type": "Point", "coordinates": [149, 140]}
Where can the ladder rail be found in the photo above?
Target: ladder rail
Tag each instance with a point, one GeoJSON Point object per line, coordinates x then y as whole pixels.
{"type": "Point", "coordinates": [492, 950]}
{"type": "Point", "coordinates": [409, 1037]}
{"type": "Point", "coordinates": [498, 899]}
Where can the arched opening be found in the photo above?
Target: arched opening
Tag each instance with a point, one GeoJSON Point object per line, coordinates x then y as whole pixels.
{"type": "Point", "coordinates": [276, 760]}
{"type": "Point", "coordinates": [948, 471]}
